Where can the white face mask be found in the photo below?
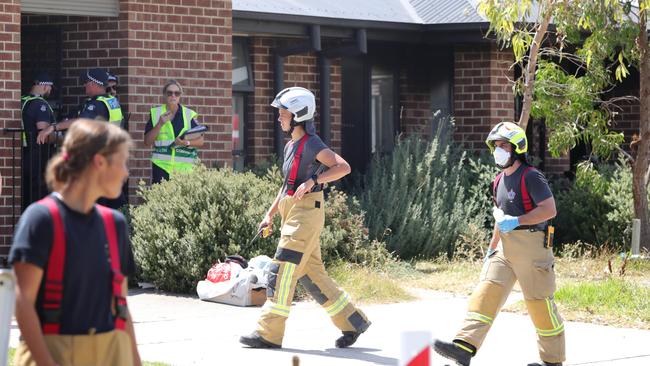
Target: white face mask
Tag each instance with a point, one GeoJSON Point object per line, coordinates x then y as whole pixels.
{"type": "Point", "coordinates": [501, 156]}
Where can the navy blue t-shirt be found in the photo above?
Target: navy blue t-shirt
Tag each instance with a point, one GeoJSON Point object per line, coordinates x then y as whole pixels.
{"type": "Point", "coordinates": [509, 196]}
{"type": "Point", "coordinates": [36, 110]}
{"type": "Point", "coordinates": [87, 291]}
{"type": "Point", "coordinates": [94, 109]}
{"type": "Point", "coordinates": [308, 163]}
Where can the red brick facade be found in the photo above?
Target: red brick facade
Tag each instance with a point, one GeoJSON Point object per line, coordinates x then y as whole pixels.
{"type": "Point", "coordinates": [299, 70]}
{"type": "Point", "coordinates": [191, 41]}
{"type": "Point", "coordinates": [9, 113]}
{"type": "Point", "coordinates": [187, 40]}
{"type": "Point", "coordinates": [482, 93]}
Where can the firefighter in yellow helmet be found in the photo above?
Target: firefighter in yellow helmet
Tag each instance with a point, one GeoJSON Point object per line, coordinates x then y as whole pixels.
{"type": "Point", "coordinates": [308, 164]}
{"type": "Point", "coordinates": [520, 250]}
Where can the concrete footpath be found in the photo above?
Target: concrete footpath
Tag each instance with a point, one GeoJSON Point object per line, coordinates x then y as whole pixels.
{"type": "Point", "coordinates": [181, 330]}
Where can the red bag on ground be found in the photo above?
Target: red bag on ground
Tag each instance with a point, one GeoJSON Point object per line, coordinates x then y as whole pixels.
{"type": "Point", "coordinates": [220, 272]}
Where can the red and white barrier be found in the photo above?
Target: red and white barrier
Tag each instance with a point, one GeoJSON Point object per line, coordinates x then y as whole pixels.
{"type": "Point", "coordinates": [415, 348]}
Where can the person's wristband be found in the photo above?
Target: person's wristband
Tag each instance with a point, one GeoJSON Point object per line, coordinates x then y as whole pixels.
{"type": "Point", "coordinates": [315, 179]}
{"type": "Point", "coordinates": [54, 126]}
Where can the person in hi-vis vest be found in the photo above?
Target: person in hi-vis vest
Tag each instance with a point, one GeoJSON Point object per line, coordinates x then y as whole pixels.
{"type": "Point", "coordinates": [165, 132]}
{"type": "Point", "coordinates": [99, 105]}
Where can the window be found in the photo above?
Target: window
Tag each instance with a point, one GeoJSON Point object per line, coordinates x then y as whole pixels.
{"type": "Point", "coordinates": [238, 137]}
{"type": "Point", "coordinates": [242, 76]}
{"type": "Point", "coordinates": [242, 85]}
{"type": "Point", "coordinates": [382, 110]}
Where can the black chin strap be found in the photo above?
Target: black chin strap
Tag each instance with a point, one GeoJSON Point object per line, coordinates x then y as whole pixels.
{"type": "Point", "coordinates": [293, 125]}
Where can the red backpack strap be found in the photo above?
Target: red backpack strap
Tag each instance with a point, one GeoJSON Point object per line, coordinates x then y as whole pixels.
{"type": "Point", "coordinates": [53, 292]}
{"type": "Point", "coordinates": [118, 277]}
{"type": "Point", "coordinates": [291, 182]}
{"type": "Point", "coordinates": [495, 185]}
{"type": "Point", "coordinates": [525, 197]}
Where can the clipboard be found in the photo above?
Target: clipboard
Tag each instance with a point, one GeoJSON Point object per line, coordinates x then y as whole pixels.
{"type": "Point", "coordinates": [194, 133]}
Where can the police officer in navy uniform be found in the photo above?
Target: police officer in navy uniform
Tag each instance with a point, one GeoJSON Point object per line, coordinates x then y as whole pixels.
{"type": "Point", "coordinates": [104, 107]}
{"type": "Point", "coordinates": [99, 105]}
{"type": "Point", "coordinates": [37, 116]}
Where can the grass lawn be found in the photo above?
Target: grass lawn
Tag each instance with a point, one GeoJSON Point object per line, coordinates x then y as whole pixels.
{"type": "Point", "coordinates": [367, 285]}
{"type": "Point", "coordinates": [587, 290]}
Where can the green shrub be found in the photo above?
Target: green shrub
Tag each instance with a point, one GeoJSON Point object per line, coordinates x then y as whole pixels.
{"type": "Point", "coordinates": [190, 222]}
{"type": "Point", "coordinates": [416, 198]}
{"type": "Point", "coordinates": [596, 208]}
{"type": "Point", "coordinates": [194, 220]}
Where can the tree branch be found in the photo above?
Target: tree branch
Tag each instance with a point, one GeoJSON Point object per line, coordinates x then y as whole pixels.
{"type": "Point", "coordinates": [532, 64]}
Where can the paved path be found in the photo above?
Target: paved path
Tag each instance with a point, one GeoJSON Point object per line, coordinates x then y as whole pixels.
{"type": "Point", "coordinates": [185, 331]}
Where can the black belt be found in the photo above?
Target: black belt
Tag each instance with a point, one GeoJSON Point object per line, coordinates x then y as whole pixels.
{"type": "Point", "coordinates": [531, 228]}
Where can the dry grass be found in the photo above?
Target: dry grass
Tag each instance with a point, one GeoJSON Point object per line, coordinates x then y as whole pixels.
{"type": "Point", "coordinates": [603, 289]}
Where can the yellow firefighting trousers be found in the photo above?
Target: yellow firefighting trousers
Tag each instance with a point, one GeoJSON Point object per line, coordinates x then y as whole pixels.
{"type": "Point", "coordinates": [521, 257]}
{"type": "Point", "coordinates": [102, 349]}
{"type": "Point", "coordinates": [298, 258]}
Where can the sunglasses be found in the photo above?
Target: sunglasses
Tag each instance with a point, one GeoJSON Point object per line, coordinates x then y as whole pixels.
{"type": "Point", "coordinates": [173, 93]}
{"type": "Point", "coordinates": [111, 88]}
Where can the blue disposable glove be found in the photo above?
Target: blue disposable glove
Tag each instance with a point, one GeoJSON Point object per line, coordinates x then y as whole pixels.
{"type": "Point", "coordinates": [508, 223]}
{"type": "Point", "coordinates": [490, 252]}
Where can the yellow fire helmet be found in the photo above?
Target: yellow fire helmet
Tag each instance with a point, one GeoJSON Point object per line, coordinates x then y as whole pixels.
{"type": "Point", "coordinates": [511, 132]}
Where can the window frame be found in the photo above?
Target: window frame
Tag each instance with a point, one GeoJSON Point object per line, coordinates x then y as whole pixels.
{"type": "Point", "coordinates": [250, 86]}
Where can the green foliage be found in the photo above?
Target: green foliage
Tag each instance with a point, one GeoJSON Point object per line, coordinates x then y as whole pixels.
{"type": "Point", "coordinates": [416, 199]}
{"type": "Point", "coordinates": [567, 104]}
{"type": "Point", "coordinates": [615, 297]}
{"type": "Point", "coordinates": [194, 220]}
{"type": "Point", "coordinates": [190, 222]}
{"type": "Point", "coordinates": [597, 207]}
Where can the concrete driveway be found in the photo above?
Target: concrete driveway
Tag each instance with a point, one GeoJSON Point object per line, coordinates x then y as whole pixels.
{"type": "Point", "coordinates": [182, 330]}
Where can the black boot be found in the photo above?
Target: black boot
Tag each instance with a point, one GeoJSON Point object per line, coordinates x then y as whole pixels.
{"type": "Point", "coordinates": [544, 363]}
{"type": "Point", "coordinates": [452, 351]}
{"type": "Point", "coordinates": [254, 340]}
{"type": "Point", "coordinates": [348, 338]}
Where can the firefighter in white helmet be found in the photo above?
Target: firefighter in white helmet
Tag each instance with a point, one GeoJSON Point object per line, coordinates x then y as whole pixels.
{"type": "Point", "coordinates": [308, 164]}
{"type": "Point", "coordinates": [520, 250]}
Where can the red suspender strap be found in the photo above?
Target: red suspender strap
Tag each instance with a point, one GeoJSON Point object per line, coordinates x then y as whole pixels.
{"type": "Point", "coordinates": [495, 185]}
{"type": "Point", "coordinates": [291, 182]}
{"type": "Point", "coordinates": [528, 203]}
{"type": "Point", "coordinates": [118, 277]}
{"type": "Point", "coordinates": [53, 294]}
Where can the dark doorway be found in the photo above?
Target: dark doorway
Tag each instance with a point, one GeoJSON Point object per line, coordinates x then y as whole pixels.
{"type": "Point", "coordinates": [355, 87]}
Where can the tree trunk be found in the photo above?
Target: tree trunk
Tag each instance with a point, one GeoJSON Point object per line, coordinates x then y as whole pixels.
{"type": "Point", "coordinates": [532, 64]}
{"type": "Point", "coordinates": [639, 181]}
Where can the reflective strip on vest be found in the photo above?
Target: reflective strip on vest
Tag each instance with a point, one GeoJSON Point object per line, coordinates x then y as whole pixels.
{"type": "Point", "coordinates": [166, 155]}
{"type": "Point", "coordinates": [115, 116]}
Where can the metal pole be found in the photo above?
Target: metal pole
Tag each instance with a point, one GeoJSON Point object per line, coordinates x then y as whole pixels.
{"type": "Point", "coordinates": [7, 302]}
{"type": "Point", "coordinates": [278, 77]}
{"type": "Point", "coordinates": [636, 236]}
{"type": "Point", "coordinates": [325, 119]}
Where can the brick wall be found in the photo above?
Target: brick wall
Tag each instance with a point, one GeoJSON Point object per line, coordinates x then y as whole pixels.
{"type": "Point", "coordinates": [415, 105]}
{"type": "Point", "coordinates": [9, 114]}
{"type": "Point", "coordinates": [187, 40]}
{"type": "Point", "coordinates": [300, 70]}
{"type": "Point", "coordinates": [482, 93]}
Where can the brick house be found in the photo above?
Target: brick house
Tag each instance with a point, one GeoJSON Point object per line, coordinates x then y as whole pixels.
{"type": "Point", "coordinates": [377, 67]}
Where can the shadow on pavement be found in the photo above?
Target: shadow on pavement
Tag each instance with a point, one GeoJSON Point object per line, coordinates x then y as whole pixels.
{"type": "Point", "coordinates": [361, 354]}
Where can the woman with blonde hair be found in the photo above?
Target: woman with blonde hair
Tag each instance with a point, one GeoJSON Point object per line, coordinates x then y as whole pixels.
{"type": "Point", "coordinates": [166, 130]}
{"type": "Point", "coordinates": [71, 257]}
